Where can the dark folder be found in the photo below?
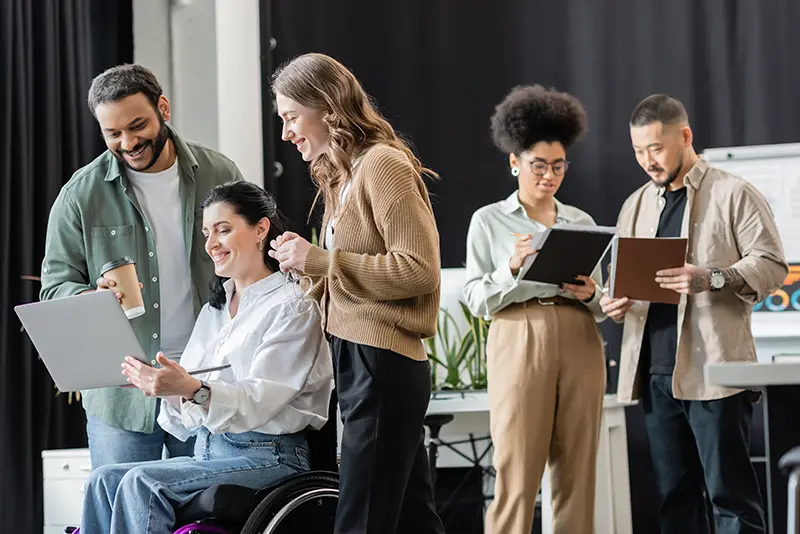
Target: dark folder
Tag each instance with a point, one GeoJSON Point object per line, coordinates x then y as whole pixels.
{"type": "Point", "coordinates": [635, 262]}
{"type": "Point", "coordinates": [567, 250]}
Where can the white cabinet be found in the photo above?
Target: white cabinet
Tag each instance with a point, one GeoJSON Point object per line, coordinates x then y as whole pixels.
{"type": "Point", "coordinates": [64, 473]}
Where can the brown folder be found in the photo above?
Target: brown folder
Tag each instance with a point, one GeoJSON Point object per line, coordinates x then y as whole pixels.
{"type": "Point", "coordinates": [635, 262]}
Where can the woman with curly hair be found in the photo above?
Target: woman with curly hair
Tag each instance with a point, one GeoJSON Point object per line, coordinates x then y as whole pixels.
{"type": "Point", "coordinates": [546, 366]}
{"type": "Point", "coordinates": [377, 274]}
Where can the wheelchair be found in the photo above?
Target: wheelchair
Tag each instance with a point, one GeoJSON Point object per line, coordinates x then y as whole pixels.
{"type": "Point", "coordinates": [301, 503]}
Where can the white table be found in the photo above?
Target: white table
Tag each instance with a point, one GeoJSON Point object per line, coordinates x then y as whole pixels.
{"type": "Point", "coordinates": [612, 503]}
{"type": "Point", "coordinates": [781, 385]}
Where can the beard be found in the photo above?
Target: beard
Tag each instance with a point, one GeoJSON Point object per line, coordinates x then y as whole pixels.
{"type": "Point", "coordinates": [671, 176]}
{"type": "Point", "coordinates": [157, 145]}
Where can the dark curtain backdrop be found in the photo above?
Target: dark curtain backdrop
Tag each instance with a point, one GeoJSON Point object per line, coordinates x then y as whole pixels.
{"type": "Point", "coordinates": [438, 69]}
{"type": "Point", "coordinates": [49, 50]}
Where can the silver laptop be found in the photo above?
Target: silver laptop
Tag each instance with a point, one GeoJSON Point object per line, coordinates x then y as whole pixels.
{"type": "Point", "coordinates": [82, 340]}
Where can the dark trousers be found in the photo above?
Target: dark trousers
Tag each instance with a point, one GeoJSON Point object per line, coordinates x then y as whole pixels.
{"type": "Point", "coordinates": [384, 478]}
{"type": "Point", "coordinates": [700, 452]}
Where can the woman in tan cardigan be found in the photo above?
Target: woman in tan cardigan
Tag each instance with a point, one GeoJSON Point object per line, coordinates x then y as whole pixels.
{"type": "Point", "coordinates": [376, 274]}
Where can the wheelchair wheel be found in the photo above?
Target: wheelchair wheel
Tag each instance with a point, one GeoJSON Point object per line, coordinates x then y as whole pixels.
{"type": "Point", "coordinates": [306, 504]}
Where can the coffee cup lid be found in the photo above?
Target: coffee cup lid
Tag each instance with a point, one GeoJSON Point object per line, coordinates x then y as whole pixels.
{"type": "Point", "coordinates": [125, 260]}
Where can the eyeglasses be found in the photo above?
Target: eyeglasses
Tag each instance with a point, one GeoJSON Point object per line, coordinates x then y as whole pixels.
{"type": "Point", "coordinates": [539, 167]}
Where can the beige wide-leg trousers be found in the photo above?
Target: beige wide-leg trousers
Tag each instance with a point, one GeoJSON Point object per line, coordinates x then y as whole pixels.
{"type": "Point", "coordinates": [546, 374]}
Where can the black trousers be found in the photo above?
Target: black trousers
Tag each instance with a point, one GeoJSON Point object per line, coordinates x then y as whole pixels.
{"type": "Point", "coordinates": [385, 482]}
{"type": "Point", "coordinates": [700, 452]}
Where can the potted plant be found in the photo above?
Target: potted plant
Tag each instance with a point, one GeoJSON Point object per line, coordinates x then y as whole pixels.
{"type": "Point", "coordinates": [461, 355]}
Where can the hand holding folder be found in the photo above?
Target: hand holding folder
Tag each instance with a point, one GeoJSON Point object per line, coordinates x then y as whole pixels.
{"type": "Point", "coordinates": [566, 251]}
{"type": "Point", "coordinates": [635, 262]}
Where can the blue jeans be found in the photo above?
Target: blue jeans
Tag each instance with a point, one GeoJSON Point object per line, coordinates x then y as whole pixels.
{"type": "Point", "coordinates": [112, 445]}
{"type": "Point", "coordinates": [141, 498]}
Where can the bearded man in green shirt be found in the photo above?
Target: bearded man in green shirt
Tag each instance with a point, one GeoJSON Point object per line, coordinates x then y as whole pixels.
{"type": "Point", "coordinates": [139, 199]}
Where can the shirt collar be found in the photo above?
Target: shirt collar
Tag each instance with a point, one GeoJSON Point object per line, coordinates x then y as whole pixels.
{"type": "Point", "coordinates": [692, 179]}
{"type": "Point", "coordinates": [265, 285]}
{"type": "Point", "coordinates": [511, 204]}
{"type": "Point", "coordinates": [186, 160]}
{"type": "Point", "coordinates": [695, 175]}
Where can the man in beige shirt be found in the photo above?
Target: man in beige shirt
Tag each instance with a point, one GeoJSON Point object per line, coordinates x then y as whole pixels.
{"type": "Point", "coordinates": [699, 434]}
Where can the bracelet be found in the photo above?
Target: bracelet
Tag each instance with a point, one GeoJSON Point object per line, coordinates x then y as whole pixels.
{"type": "Point", "coordinates": [590, 299]}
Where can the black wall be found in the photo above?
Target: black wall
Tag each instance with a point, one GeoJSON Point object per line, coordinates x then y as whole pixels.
{"type": "Point", "coordinates": [49, 52]}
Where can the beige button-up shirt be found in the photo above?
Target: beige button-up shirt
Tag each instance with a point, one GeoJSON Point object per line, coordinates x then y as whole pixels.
{"type": "Point", "coordinates": [729, 224]}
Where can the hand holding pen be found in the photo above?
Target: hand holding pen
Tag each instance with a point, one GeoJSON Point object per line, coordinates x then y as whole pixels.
{"type": "Point", "coordinates": [522, 249]}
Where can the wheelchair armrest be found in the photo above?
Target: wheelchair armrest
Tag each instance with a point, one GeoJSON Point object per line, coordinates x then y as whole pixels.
{"type": "Point", "coordinates": [790, 461]}
{"type": "Point", "coordinates": [228, 503]}
{"type": "Point", "coordinates": [225, 503]}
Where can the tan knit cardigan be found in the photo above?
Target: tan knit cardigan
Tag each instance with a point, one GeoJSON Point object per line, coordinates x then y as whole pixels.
{"type": "Point", "coordinates": [380, 284]}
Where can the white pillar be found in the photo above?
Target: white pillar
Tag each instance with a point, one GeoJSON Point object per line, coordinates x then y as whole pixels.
{"type": "Point", "coordinates": [239, 85]}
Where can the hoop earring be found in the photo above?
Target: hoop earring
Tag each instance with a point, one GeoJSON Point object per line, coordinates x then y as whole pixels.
{"type": "Point", "coordinates": [514, 171]}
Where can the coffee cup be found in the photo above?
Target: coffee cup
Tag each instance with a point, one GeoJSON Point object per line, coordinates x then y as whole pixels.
{"type": "Point", "coordinates": [123, 272]}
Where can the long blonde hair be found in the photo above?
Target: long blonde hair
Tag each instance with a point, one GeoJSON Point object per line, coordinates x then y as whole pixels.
{"type": "Point", "coordinates": [318, 81]}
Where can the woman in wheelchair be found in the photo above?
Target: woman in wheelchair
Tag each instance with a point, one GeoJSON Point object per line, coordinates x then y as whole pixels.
{"type": "Point", "coordinates": [250, 419]}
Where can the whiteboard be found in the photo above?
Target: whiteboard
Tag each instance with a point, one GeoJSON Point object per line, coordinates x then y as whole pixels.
{"type": "Point", "coordinates": [775, 171]}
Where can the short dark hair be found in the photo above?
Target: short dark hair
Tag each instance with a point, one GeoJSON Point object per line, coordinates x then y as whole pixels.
{"type": "Point", "coordinates": [531, 113]}
{"type": "Point", "coordinates": [121, 81]}
{"type": "Point", "coordinates": [659, 108]}
{"type": "Point", "coordinates": [253, 203]}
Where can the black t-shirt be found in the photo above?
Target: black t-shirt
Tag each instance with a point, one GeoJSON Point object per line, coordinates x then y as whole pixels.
{"type": "Point", "coordinates": [660, 342]}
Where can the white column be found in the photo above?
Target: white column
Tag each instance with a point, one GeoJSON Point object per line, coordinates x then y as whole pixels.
{"type": "Point", "coordinates": [152, 40]}
{"type": "Point", "coordinates": [239, 85]}
{"type": "Point", "coordinates": [194, 71]}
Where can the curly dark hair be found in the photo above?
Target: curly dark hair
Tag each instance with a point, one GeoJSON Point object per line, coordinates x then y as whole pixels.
{"type": "Point", "coordinates": [531, 113]}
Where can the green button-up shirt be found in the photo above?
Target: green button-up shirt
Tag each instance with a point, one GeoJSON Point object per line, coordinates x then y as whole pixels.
{"type": "Point", "coordinates": [96, 218]}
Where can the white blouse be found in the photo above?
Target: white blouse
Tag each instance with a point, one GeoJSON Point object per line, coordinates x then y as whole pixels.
{"type": "Point", "coordinates": [281, 375]}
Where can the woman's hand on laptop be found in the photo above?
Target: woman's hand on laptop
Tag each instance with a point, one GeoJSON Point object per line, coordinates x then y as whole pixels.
{"type": "Point", "coordinates": [166, 381]}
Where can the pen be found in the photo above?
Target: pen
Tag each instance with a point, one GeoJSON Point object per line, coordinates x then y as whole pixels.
{"type": "Point", "coordinates": [208, 369]}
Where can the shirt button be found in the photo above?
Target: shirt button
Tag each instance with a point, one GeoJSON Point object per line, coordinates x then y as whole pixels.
{"type": "Point", "coordinates": [155, 279]}
{"type": "Point", "coordinates": [155, 336]}
{"type": "Point", "coordinates": [151, 254]}
{"type": "Point", "coordinates": [155, 305]}
{"type": "Point", "coordinates": [45, 270]}
{"type": "Point", "coordinates": [146, 229]}
{"type": "Point", "coordinates": [113, 232]}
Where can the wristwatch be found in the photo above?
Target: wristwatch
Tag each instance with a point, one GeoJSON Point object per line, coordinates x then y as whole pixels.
{"type": "Point", "coordinates": [717, 280]}
{"type": "Point", "coordinates": [202, 394]}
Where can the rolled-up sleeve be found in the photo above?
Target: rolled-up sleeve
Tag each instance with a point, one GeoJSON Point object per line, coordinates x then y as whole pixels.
{"type": "Point", "coordinates": [64, 269]}
{"type": "Point", "coordinates": [486, 285]}
{"type": "Point", "coordinates": [763, 265]}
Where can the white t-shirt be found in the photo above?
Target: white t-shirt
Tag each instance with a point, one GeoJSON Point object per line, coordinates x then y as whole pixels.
{"type": "Point", "coordinates": [160, 202]}
{"type": "Point", "coordinates": [329, 229]}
